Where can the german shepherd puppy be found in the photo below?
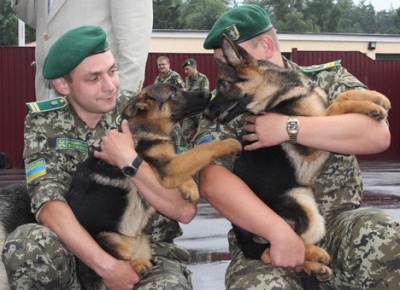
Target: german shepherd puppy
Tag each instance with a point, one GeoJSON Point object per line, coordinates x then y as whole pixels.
{"type": "Point", "coordinates": [282, 176]}
{"type": "Point", "coordinates": [106, 203]}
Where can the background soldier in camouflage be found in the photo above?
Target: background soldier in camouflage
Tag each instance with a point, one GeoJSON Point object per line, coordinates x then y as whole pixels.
{"type": "Point", "coordinates": [194, 81]}
{"type": "Point", "coordinates": [167, 75]}
{"type": "Point", "coordinates": [364, 243]}
{"type": "Point", "coordinates": [58, 136]}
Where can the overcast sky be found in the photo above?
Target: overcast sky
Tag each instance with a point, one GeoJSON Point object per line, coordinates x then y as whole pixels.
{"type": "Point", "coordinates": [381, 4]}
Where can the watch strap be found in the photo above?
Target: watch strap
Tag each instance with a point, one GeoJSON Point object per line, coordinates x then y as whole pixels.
{"type": "Point", "coordinates": [137, 161]}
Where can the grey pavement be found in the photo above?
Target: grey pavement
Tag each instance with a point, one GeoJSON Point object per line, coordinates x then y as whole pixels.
{"type": "Point", "coordinates": [205, 237]}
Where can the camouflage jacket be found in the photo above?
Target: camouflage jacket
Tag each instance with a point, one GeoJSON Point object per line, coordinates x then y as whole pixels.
{"type": "Point", "coordinates": [56, 141]}
{"type": "Point", "coordinates": [339, 185]}
{"type": "Point", "coordinates": [172, 77]}
{"type": "Point", "coordinates": [199, 82]}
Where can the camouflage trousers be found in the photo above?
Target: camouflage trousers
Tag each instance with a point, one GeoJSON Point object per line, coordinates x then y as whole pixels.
{"type": "Point", "coordinates": [35, 258]}
{"type": "Point", "coordinates": [364, 245]}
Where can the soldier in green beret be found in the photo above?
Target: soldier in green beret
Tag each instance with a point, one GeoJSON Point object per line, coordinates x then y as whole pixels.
{"type": "Point", "coordinates": [59, 136]}
{"type": "Point", "coordinates": [194, 81]}
{"type": "Point", "coordinates": [167, 75]}
{"type": "Point", "coordinates": [364, 243]}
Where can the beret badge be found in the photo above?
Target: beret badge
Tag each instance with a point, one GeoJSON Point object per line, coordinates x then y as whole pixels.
{"type": "Point", "coordinates": [232, 32]}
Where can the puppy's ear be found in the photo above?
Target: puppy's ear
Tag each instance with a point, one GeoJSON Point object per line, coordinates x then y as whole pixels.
{"type": "Point", "coordinates": [134, 105]}
{"type": "Point", "coordinates": [236, 55]}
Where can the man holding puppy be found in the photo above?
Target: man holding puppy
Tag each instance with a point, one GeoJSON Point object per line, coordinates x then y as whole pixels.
{"type": "Point", "coordinates": [59, 134]}
{"type": "Point", "coordinates": [364, 244]}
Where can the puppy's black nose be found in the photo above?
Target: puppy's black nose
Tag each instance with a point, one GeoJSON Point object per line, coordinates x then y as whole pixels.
{"type": "Point", "coordinates": [211, 112]}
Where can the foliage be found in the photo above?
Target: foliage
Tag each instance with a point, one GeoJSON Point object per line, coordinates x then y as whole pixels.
{"type": "Point", "coordinates": [9, 26]}
{"type": "Point", "coordinates": [335, 16]}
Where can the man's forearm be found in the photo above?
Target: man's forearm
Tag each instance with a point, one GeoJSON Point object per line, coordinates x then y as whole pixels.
{"type": "Point", "coordinates": [345, 134]}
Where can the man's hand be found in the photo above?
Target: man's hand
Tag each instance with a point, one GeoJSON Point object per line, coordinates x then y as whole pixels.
{"type": "Point", "coordinates": [120, 276]}
{"type": "Point", "coordinates": [266, 130]}
{"type": "Point", "coordinates": [117, 148]}
{"type": "Point", "coordinates": [288, 251]}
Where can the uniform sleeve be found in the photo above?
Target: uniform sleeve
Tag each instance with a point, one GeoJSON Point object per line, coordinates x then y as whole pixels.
{"type": "Point", "coordinates": [132, 23]}
{"type": "Point", "coordinates": [48, 170]}
{"type": "Point", "coordinates": [337, 80]}
{"type": "Point", "coordinates": [179, 82]}
{"type": "Point", "coordinates": [209, 131]}
{"type": "Point", "coordinates": [205, 85]}
{"type": "Point", "coordinates": [25, 10]}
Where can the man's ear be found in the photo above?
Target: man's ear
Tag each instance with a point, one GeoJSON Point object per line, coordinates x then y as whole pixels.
{"type": "Point", "coordinates": [61, 85]}
{"type": "Point", "coordinates": [268, 45]}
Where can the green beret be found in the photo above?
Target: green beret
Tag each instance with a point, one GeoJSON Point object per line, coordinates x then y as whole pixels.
{"type": "Point", "coordinates": [189, 61]}
{"type": "Point", "coordinates": [239, 24]}
{"type": "Point", "coordinates": [72, 48]}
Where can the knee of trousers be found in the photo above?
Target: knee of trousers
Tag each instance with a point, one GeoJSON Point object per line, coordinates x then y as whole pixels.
{"type": "Point", "coordinates": [33, 244]}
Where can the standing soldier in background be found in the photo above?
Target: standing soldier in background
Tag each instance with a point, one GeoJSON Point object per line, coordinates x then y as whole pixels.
{"type": "Point", "coordinates": [195, 81]}
{"type": "Point", "coordinates": [167, 75]}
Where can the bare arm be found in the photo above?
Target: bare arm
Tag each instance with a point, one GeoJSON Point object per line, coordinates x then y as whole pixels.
{"type": "Point", "coordinates": [345, 134]}
{"type": "Point", "coordinates": [116, 274]}
{"type": "Point", "coordinates": [118, 149]}
{"type": "Point", "coordinates": [234, 200]}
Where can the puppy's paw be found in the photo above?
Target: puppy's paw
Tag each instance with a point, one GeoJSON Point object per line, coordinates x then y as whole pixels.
{"type": "Point", "coordinates": [190, 192]}
{"type": "Point", "coordinates": [380, 100]}
{"type": "Point", "coordinates": [322, 272]}
{"type": "Point", "coordinates": [141, 266]}
{"type": "Point", "coordinates": [378, 113]}
{"type": "Point", "coordinates": [317, 254]}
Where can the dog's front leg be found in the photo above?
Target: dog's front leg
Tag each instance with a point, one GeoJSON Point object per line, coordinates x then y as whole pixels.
{"type": "Point", "coordinates": [184, 166]}
{"type": "Point", "coordinates": [370, 103]}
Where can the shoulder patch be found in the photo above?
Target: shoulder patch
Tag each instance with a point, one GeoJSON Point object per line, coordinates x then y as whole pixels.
{"type": "Point", "coordinates": [47, 105]}
{"type": "Point", "coordinates": [320, 67]}
{"type": "Point", "coordinates": [35, 169]}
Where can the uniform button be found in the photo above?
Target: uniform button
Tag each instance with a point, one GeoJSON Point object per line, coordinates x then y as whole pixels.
{"type": "Point", "coordinates": [46, 37]}
{"type": "Point", "coordinates": [88, 136]}
{"type": "Point", "coordinates": [91, 148]}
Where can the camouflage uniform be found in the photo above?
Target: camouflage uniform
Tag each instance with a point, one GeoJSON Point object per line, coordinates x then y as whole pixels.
{"type": "Point", "coordinates": [35, 258]}
{"type": "Point", "coordinates": [172, 77]}
{"type": "Point", "coordinates": [364, 243]}
{"type": "Point", "coordinates": [199, 82]}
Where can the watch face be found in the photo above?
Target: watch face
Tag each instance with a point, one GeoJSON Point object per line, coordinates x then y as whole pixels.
{"type": "Point", "coordinates": [129, 170]}
{"type": "Point", "coordinates": [292, 127]}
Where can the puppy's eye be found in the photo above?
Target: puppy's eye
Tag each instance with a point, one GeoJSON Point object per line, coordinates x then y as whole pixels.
{"type": "Point", "coordinates": [224, 85]}
{"type": "Point", "coordinates": [174, 95]}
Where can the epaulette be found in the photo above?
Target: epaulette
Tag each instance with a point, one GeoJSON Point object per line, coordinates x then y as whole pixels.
{"type": "Point", "coordinates": [320, 67]}
{"type": "Point", "coordinates": [47, 105]}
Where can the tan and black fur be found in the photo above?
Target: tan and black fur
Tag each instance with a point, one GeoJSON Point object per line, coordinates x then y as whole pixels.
{"type": "Point", "coordinates": [282, 175]}
{"type": "Point", "coordinates": [105, 202]}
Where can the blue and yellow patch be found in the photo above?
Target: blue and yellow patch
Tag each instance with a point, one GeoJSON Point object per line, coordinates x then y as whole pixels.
{"type": "Point", "coordinates": [35, 169]}
{"type": "Point", "coordinates": [66, 143]}
{"type": "Point", "coordinates": [204, 137]}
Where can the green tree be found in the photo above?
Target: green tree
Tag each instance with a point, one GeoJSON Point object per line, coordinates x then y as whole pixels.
{"type": "Point", "coordinates": [201, 14]}
{"type": "Point", "coordinates": [166, 14]}
{"type": "Point", "coordinates": [9, 26]}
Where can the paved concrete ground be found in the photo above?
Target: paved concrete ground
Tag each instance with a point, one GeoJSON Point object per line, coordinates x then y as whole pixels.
{"type": "Point", "coordinates": [205, 236]}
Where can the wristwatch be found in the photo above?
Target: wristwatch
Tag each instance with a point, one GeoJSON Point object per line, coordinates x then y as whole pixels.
{"type": "Point", "coordinates": [292, 128]}
{"type": "Point", "coordinates": [131, 169]}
